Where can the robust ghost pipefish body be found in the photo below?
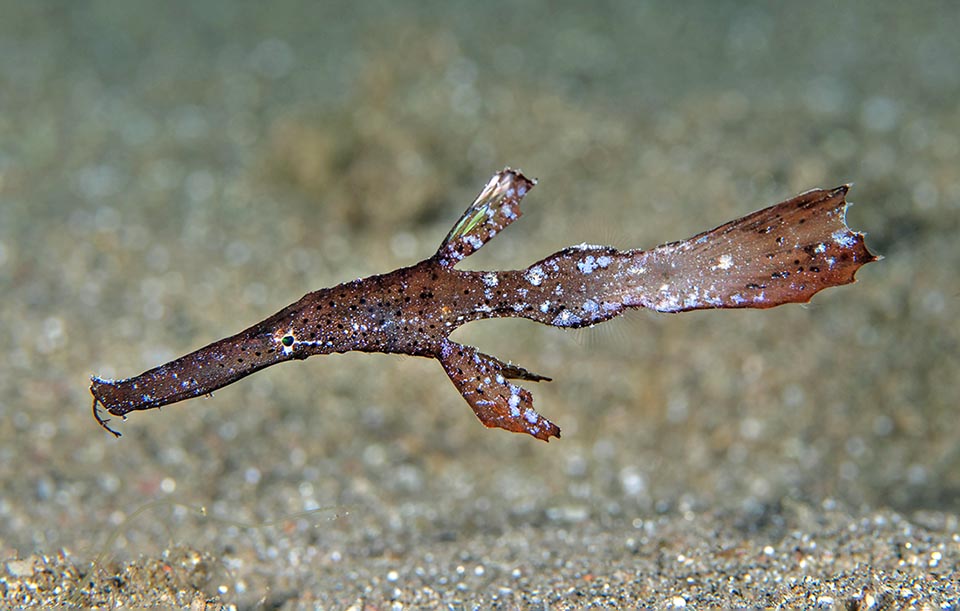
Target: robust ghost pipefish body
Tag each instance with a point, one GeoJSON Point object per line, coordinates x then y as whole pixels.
{"type": "Point", "coordinates": [782, 254]}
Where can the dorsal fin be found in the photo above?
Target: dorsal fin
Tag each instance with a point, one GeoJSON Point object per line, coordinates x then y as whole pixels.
{"type": "Point", "coordinates": [497, 206]}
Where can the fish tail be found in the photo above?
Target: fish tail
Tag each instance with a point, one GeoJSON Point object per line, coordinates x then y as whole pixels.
{"type": "Point", "coordinates": [782, 254]}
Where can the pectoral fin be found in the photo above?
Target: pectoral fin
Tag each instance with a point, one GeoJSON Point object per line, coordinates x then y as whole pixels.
{"type": "Point", "coordinates": [497, 205]}
{"type": "Point", "coordinates": [481, 379]}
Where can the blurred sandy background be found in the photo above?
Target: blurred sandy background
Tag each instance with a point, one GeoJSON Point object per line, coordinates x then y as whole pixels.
{"type": "Point", "coordinates": [173, 172]}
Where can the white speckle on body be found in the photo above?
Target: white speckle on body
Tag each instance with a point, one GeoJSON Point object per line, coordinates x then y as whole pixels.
{"type": "Point", "coordinates": [668, 303]}
{"type": "Point", "coordinates": [566, 318]}
{"type": "Point", "coordinates": [724, 262]}
{"type": "Point", "coordinates": [534, 275]}
{"type": "Point", "coordinates": [514, 403]}
{"type": "Point", "coordinates": [844, 238]}
{"type": "Point", "coordinates": [530, 415]}
{"type": "Point", "coordinates": [545, 306]}
{"type": "Point", "coordinates": [587, 265]}
{"type": "Point", "coordinates": [490, 279]}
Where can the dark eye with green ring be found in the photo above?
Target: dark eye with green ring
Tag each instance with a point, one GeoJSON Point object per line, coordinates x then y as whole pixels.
{"type": "Point", "coordinates": [287, 340]}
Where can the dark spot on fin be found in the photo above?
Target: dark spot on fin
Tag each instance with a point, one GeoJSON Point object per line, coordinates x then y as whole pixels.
{"type": "Point", "coordinates": [481, 379]}
{"type": "Point", "coordinates": [497, 205]}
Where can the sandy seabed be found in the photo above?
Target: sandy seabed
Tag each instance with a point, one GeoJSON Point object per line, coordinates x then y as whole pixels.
{"type": "Point", "coordinates": [170, 174]}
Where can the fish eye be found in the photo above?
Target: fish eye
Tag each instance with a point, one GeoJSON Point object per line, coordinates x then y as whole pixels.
{"type": "Point", "coordinates": [287, 340]}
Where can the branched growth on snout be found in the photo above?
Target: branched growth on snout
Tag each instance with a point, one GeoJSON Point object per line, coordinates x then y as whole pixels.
{"type": "Point", "coordinates": [782, 254]}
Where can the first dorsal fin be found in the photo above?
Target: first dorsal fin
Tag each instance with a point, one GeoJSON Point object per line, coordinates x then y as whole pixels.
{"type": "Point", "coordinates": [497, 206]}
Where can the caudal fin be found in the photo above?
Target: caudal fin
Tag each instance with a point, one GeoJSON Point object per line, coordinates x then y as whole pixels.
{"type": "Point", "coordinates": [782, 254]}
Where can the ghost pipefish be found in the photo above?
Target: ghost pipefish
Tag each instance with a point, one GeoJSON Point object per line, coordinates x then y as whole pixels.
{"type": "Point", "coordinates": [782, 254]}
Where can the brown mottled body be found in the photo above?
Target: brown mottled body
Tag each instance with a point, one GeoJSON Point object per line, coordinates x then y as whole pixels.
{"type": "Point", "coordinates": [782, 254]}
